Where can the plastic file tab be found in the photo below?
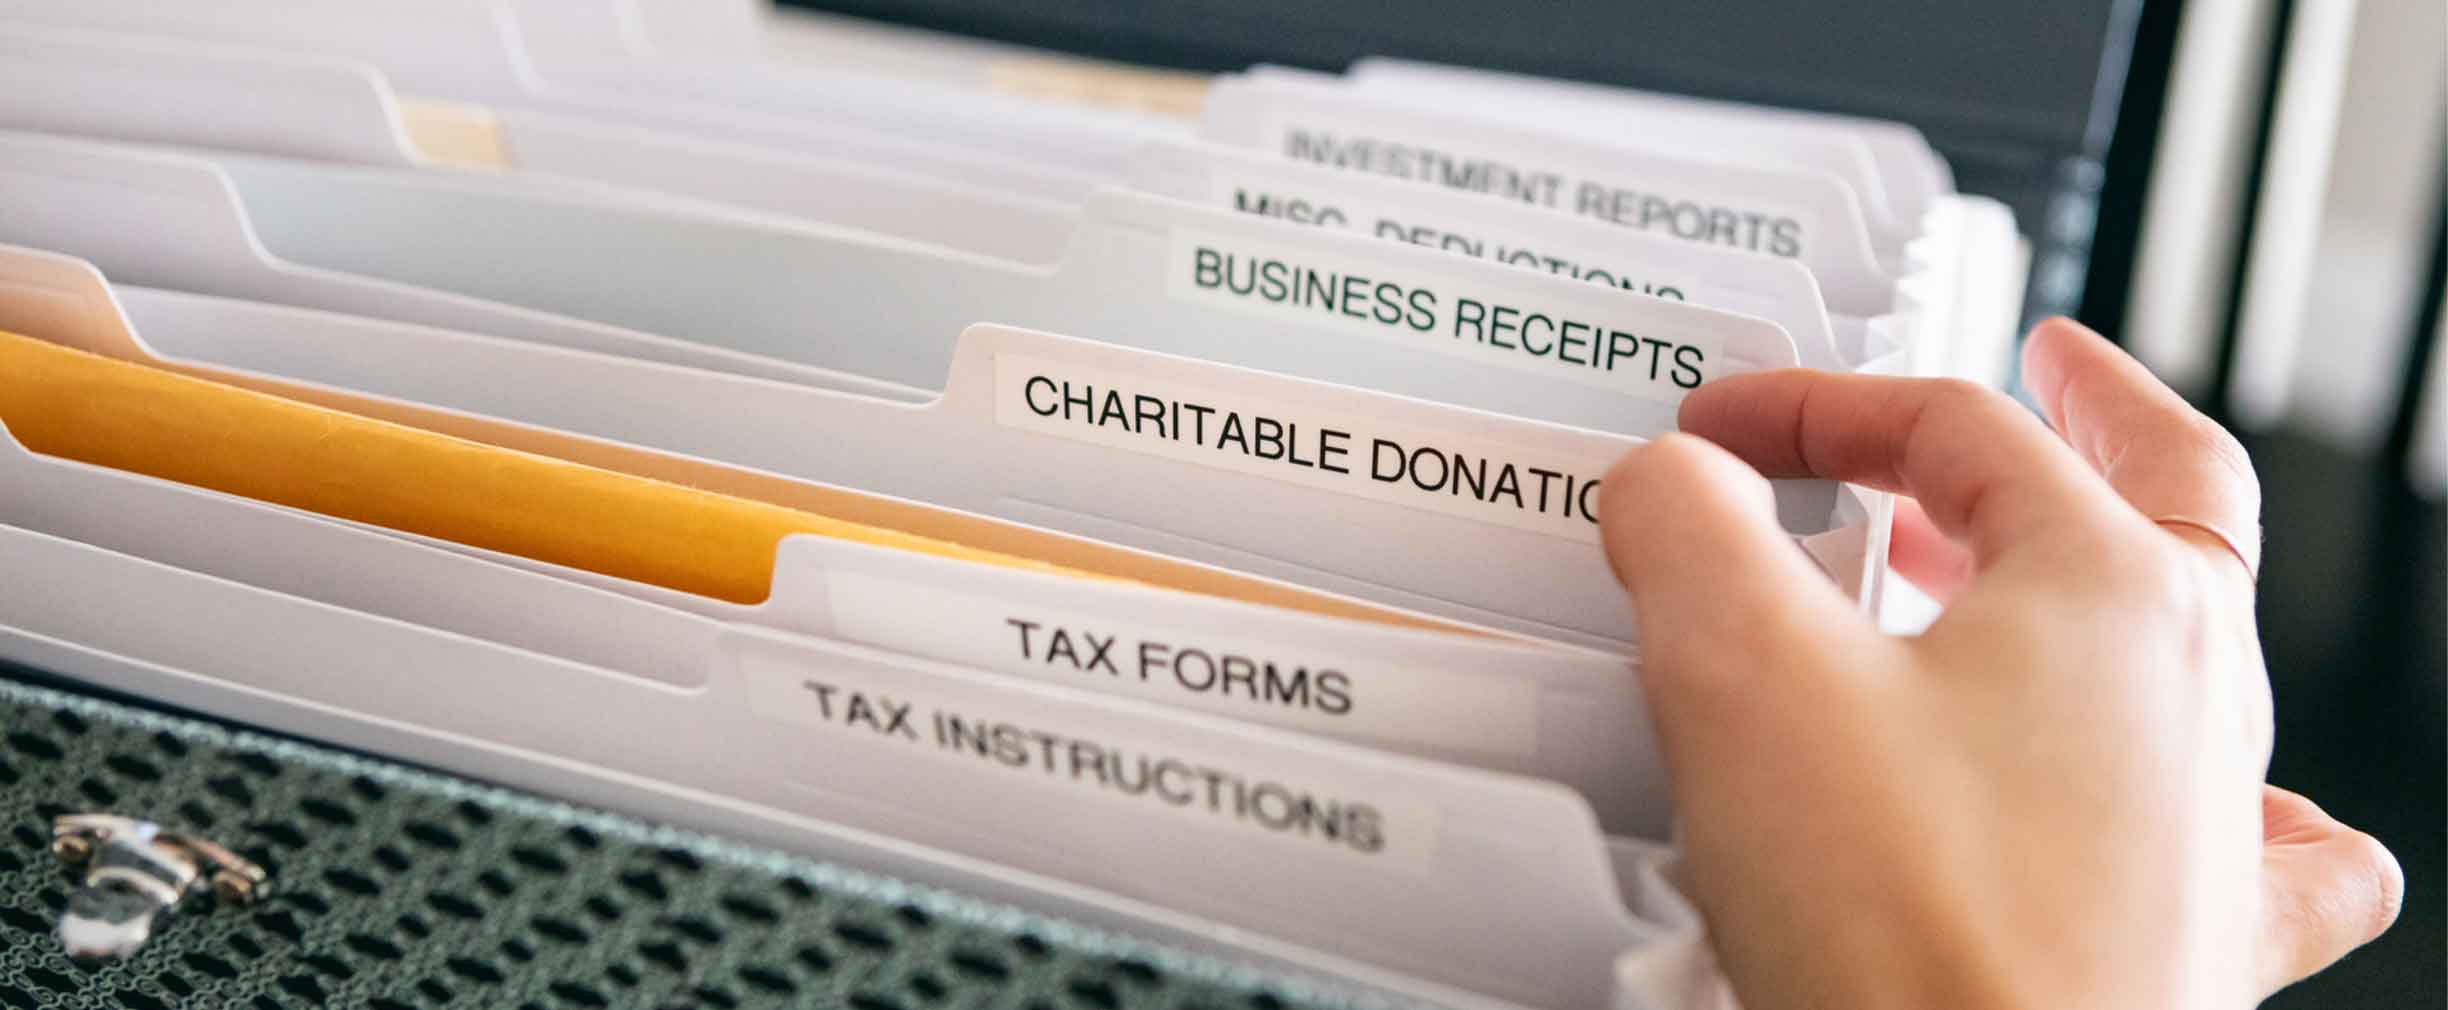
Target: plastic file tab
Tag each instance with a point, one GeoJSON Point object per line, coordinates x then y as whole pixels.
{"type": "Point", "coordinates": [1912, 175]}
{"type": "Point", "coordinates": [167, 222]}
{"type": "Point", "coordinates": [1773, 288]}
{"type": "Point", "coordinates": [1263, 653]}
{"type": "Point", "coordinates": [157, 91]}
{"type": "Point", "coordinates": [1168, 503]}
{"type": "Point", "coordinates": [1154, 273]}
{"type": "Point", "coordinates": [580, 55]}
{"type": "Point", "coordinates": [1376, 526]}
{"type": "Point", "coordinates": [1810, 216]}
{"type": "Point", "coordinates": [73, 404]}
{"type": "Point", "coordinates": [66, 302]}
{"type": "Point", "coordinates": [1269, 846]}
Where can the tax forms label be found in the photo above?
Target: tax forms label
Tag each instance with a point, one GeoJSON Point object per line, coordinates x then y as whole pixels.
{"type": "Point", "coordinates": [1217, 669]}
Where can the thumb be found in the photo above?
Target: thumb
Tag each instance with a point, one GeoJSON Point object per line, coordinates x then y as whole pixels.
{"type": "Point", "coordinates": [2326, 889]}
{"type": "Point", "coordinates": [1722, 595]}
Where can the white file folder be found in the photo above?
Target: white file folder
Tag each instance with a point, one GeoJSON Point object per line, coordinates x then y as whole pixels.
{"type": "Point", "coordinates": [1406, 751]}
{"type": "Point", "coordinates": [1151, 272]}
{"type": "Point", "coordinates": [157, 92]}
{"type": "Point", "coordinates": [1905, 169]}
{"type": "Point", "coordinates": [152, 90]}
{"type": "Point", "coordinates": [1517, 552]}
{"type": "Point", "coordinates": [1810, 216]}
{"type": "Point", "coordinates": [1425, 879]}
{"type": "Point", "coordinates": [1663, 129]}
{"type": "Point", "coordinates": [173, 222]}
{"type": "Point", "coordinates": [1492, 700]}
{"type": "Point", "coordinates": [577, 56]}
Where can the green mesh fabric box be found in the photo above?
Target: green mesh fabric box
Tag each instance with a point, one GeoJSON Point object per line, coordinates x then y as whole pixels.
{"type": "Point", "coordinates": [392, 888]}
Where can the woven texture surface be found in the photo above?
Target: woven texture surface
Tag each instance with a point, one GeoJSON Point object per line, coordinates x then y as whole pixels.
{"type": "Point", "coordinates": [395, 889]}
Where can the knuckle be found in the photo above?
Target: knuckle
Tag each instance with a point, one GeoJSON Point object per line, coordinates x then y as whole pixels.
{"type": "Point", "coordinates": [1951, 394]}
{"type": "Point", "coordinates": [2379, 883]}
{"type": "Point", "coordinates": [2181, 433]}
{"type": "Point", "coordinates": [2210, 441]}
{"type": "Point", "coordinates": [1965, 402]}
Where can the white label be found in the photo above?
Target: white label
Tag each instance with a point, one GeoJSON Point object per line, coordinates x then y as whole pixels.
{"type": "Point", "coordinates": [1284, 200]}
{"type": "Point", "coordinates": [1432, 311]}
{"type": "Point", "coordinates": [1210, 669]}
{"type": "Point", "coordinates": [1439, 471]}
{"type": "Point", "coordinates": [1535, 178]}
{"type": "Point", "coordinates": [1139, 772]}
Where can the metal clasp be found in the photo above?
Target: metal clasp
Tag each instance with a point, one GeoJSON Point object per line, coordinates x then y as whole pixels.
{"type": "Point", "coordinates": [134, 871]}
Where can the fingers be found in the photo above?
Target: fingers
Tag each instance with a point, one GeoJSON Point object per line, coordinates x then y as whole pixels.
{"type": "Point", "coordinates": [2162, 456]}
{"type": "Point", "coordinates": [1733, 617]}
{"type": "Point", "coordinates": [1982, 467]}
{"type": "Point", "coordinates": [1926, 557]}
{"type": "Point", "coordinates": [2326, 889]}
{"type": "Point", "coordinates": [1720, 591]}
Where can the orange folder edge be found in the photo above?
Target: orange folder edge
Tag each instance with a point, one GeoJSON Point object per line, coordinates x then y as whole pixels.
{"type": "Point", "coordinates": [956, 534]}
{"type": "Point", "coordinates": [70, 404]}
{"type": "Point", "coordinates": [981, 532]}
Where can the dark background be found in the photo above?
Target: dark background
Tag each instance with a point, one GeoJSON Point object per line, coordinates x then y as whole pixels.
{"type": "Point", "coordinates": [2053, 108]}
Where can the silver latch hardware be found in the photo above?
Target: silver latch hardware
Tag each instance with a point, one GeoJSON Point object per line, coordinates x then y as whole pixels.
{"type": "Point", "coordinates": [135, 871]}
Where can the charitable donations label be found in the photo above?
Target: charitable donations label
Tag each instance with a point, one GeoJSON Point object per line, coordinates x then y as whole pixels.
{"type": "Point", "coordinates": [1451, 472]}
{"type": "Point", "coordinates": [1420, 308]}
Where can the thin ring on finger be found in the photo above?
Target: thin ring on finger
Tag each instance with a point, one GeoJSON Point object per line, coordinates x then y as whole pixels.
{"type": "Point", "coordinates": [2234, 544]}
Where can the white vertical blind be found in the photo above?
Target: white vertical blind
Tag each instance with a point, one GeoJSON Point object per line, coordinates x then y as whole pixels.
{"type": "Point", "coordinates": [2285, 242]}
{"type": "Point", "coordinates": [2193, 217]}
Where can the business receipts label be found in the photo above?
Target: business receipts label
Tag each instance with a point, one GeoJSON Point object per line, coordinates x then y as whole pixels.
{"type": "Point", "coordinates": [1146, 771]}
{"type": "Point", "coordinates": [1437, 471]}
{"type": "Point", "coordinates": [1431, 311]}
{"type": "Point", "coordinates": [1213, 668]}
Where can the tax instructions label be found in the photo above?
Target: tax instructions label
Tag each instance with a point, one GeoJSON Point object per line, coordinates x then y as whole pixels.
{"type": "Point", "coordinates": [1448, 472]}
{"type": "Point", "coordinates": [1242, 792]}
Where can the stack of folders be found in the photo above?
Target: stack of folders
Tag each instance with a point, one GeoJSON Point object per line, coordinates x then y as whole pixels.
{"type": "Point", "coordinates": [1165, 503]}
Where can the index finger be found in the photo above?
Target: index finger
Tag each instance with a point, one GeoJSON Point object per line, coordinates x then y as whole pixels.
{"type": "Point", "coordinates": [1984, 468]}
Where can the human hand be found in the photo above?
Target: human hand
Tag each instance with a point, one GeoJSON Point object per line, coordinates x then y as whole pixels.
{"type": "Point", "coordinates": [2053, 797]}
